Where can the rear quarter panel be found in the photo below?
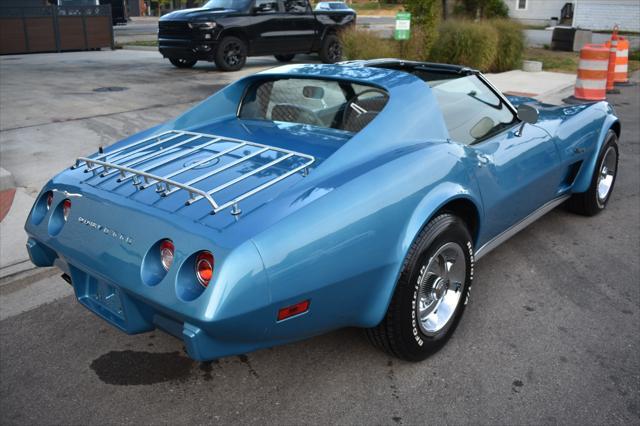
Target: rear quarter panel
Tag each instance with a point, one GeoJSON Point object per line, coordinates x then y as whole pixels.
{"type": "Point", "coordinates": [344, 250]}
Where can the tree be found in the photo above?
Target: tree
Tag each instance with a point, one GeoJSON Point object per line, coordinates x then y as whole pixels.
{"type": "Point", "coordinates": [482, 8]}
{"type": "Point", "coordinates": [425, 15]}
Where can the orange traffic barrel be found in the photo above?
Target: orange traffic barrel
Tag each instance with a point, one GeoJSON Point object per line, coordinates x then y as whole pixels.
{"type": "Point", "coordinates": [622, 60]}
{"type": "Point", "coordinates": [591, 83]}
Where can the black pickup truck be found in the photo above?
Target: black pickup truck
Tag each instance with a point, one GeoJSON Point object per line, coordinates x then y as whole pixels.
{"type": "Point", "coordinates": [227, 31]}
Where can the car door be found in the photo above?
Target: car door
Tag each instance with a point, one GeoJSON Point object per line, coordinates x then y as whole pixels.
{"type": "Point", "coordinates": [517, 172]}
{"type": "Point", "coordinates": [298, 25]}
{"type": "Point", "coordinates": [264, 30]}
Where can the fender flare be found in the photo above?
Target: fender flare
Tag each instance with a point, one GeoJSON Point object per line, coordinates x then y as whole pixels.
{"type": "Point", "coordinates": [584, 179]}
{"type": "Point", "coordinates": [425, 210]}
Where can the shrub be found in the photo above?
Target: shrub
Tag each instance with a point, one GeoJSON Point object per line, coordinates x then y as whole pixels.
{"type": "Point", "coordinates": [364, 44]}
{"type": "Point", "coordinates": [473, 44]}
{"type": "Point", "coordinates": [510, 45]}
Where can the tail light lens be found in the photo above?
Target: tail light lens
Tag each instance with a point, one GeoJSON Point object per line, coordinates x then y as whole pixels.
{"type": "Point", "coordinates": [66, 209]}
{"type": "Point", "coordinates": [204, 267]}
{"type": "Point", "coordinates": [167, 250]}
{"type": "Point", "coordinates": [49, 200]}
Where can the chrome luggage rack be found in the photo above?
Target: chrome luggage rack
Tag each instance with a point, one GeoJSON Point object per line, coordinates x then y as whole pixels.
{"type": "Point", "coordinates": [108, 164]}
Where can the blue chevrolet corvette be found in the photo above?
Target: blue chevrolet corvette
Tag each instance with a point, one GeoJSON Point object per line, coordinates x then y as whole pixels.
{"type": "Point", "coordinates": [312, 197]}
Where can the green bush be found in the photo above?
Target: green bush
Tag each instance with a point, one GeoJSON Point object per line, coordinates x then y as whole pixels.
{"type": "Point", "coordinates": [510, 45]}
{"type": "Point", "coordinates": [364, 44]}
{"type": "Point", "coordinates": [473, 44]}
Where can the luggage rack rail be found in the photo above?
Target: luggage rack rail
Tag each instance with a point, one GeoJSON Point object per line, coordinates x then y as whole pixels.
{"type": "Point", "coordinates": [123, 160]}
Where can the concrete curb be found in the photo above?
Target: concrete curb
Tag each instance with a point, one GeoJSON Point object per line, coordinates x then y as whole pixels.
{"type": "Point", "coordinates": [143, 48]}
{"type": "Point", "coordinates": [6, 180]}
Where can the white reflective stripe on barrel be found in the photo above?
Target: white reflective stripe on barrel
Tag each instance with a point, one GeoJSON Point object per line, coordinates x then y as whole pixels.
{"type": "Point", "coordinates": [591, 84]}
{"type": "Point", "coordinates": [622, 68]}
{"type": "Point", "coordinates": [586, 64]}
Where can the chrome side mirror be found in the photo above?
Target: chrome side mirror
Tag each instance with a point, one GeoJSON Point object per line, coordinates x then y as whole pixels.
{"type": "Point", "coordinates": [526, 114]}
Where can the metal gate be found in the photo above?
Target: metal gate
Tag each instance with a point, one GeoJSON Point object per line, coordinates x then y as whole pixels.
{"type": "Point", "coordinates": [55, 28]}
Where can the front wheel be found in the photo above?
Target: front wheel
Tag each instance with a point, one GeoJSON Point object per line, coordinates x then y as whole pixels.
{"type": "Point", "coordinates": [231, 54]}
{"type": "Point", "coordinates": [183, 62]}
{"type": "Point", "coordinates": [431, 292]}
{"type": "Point", "coordinates": [595, 199]}
{"type": "Point", "coordinates": [331, 50]}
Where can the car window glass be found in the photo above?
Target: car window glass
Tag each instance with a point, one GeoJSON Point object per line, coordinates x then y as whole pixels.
{"type": "Point", "coordinates": [266, 6]}
{"type": "Point", "coordinates": [295, 6]}
{"type": "Point", "coordinates": [471, 111]}
{"type": "Point", "coordinates": [309, 101]}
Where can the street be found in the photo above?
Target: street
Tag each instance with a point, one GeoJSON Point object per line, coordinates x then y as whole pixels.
{"type": "Point", "coordinates": [550, 335]}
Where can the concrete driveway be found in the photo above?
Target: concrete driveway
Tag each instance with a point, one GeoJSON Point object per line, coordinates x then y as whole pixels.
{"type": "Point", "coordinates": [550, 336]}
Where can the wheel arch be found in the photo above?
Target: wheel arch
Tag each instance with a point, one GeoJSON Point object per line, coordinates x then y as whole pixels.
{"type": "Point", "coordinates": [447, 198]}
{"type": "Point", "coordinates": [236, 32]}
{"type": "Point", "coordinates": [584, 178]}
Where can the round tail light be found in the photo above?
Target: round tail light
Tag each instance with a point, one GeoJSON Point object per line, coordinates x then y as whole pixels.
{"type": "Point", "coordinates": [49, 200]}
{"type": "Point", "coordinates": [204, 268]}
{"type": "Point", "coordinates": [66, 209]}
{"type": "Point", "coordinates": [167, 250]}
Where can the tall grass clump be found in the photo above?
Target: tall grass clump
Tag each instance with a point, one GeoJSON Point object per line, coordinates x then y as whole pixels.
{"type": "Point", "coordinates": [510, 45]}
{"type": "Point", "coordinates": [473, 44]}
{"type": "Point", "coordinates": [363, 44]}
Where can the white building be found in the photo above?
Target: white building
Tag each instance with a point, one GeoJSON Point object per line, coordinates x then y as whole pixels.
{"type": "Point", "coordinates": [587, 14]}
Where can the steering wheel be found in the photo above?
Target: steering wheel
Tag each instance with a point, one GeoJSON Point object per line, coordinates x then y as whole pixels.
{"type": "Point", "coordinates": [302, 114]}
{"type": "Point", "coordinates": [349, 105]}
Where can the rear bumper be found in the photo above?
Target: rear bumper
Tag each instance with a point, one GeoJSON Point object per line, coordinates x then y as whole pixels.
{"type": "Point", "coordinates": [133, 314]}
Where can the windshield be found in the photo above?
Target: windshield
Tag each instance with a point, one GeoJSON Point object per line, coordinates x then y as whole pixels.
{"type": "Point", "coordinates": [227, 4]}
{"type": "Point", "coordinates": [338, 6]}
{"type": "Point", "coordinates": [323, 103]}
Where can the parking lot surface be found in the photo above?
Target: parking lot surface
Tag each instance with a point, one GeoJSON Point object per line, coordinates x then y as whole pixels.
{"type": "Point", "coordinates": [550, 335]}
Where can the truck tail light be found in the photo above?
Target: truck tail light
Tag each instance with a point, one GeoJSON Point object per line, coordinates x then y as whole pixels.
{"type": "Point", "coordinates": [293, 310]}
{"type": "Point", "coordinates": [66, 209]}
{"type": "Point", "coordinates": [204, 267]}
{"type": "Point", "coordinates": [167, 250]}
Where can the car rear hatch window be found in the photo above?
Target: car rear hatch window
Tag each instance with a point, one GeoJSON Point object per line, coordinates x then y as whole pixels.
{"type": "Point", "coordinates": [331, 104]}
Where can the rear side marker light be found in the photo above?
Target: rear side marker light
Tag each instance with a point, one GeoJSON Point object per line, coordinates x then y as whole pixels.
{"type": "Point", "coordinates": [293, 310]}
{"type": "Point", "coordinates": [66, 209]}
{"type": "Point", "coordinates": [167, 250]}
{"type": "Point", "coordinates": [204, 268]}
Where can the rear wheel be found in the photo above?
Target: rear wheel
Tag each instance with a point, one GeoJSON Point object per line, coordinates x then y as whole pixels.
{"type": "Point", "coordinates": [331, 50]}
{"type": "Point", "coordinates": [431, 293]}
{"type": "Point", "coordinates": [595, 199]}
{"type": "Point", "coordinates": [183, 62]}
{"type": "Point", "coordinates": [285, 58]}
{"type": "Point", "coordinates": [231, 54]}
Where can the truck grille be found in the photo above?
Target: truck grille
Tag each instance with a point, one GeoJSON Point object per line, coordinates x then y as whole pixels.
{"type": "Point", "coordinates": [174, 29]}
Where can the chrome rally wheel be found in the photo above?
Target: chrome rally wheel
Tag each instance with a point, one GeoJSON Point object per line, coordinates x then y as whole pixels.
{"type": "Point", "coordinates": [607, 174]}
{"type": "Point", "coordinates": [431, 293]}
{"type": "Point", "coordinates": [440, 288]}
{"type": "Point", "coordinates": [603, 179]}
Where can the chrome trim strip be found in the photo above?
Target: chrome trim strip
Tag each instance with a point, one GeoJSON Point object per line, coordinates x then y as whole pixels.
{"type": "Point", "coordinates": [514, 229]}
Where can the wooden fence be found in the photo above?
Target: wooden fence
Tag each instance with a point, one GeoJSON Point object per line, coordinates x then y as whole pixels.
{"type": "Point", "coordinates": [54, 28]}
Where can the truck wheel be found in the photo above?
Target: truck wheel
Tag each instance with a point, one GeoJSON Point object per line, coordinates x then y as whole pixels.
{"type": "Point", "coordinates": [284, 58]}
{"type": "Point", "coordinates": [331, 50]}
{"type": "Point", "coordinates": [231, 54]}
{"type": "Point", "coordinates": [430, 294]}
{"type": "Point", "coordinates": [183, 62]}
{"type": "Point", "coordinates": [595, 199]}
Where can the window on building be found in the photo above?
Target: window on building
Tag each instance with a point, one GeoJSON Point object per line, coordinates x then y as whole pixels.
{"type": "Point", "coordinates": [521, 4]}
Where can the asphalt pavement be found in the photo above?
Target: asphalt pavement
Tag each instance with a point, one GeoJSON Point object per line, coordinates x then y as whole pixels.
{"type": "Point", "coordinates": [550, 335]}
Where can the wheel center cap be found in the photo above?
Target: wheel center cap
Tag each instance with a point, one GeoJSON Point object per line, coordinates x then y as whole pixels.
{"type": "Point", "coordinates": [440, 288]}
